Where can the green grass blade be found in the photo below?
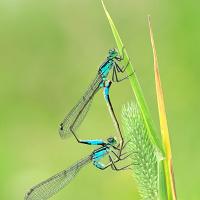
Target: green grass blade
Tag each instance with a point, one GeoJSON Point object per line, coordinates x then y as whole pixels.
{"type": "Point", "coordinates": [162, 182]}
{"type": "Point", "coordinates": [136, 88]}
{"type": "Point", "coordinates": [167, 162]}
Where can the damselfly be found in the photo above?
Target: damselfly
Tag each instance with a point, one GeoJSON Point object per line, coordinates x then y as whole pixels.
{"type": "Point", "coordinates": [54, 184]}
{"type": "Point", "coordinates": [74, 118]}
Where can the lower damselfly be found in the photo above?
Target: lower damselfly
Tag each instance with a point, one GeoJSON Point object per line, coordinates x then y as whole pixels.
{"type": "Point", "coordinates": [74, 118]}
{"type": "Point", "coordinates": [54, 184]}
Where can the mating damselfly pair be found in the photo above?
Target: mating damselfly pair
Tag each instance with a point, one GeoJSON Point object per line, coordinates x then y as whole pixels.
{"type": "Point", "coordinates": [111, 148]}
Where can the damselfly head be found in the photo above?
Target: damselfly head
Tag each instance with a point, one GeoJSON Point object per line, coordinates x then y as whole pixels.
{"type": "Point", "coordinates": [112, 53]}
{"type": "Point", "coordinates": [112, 140]}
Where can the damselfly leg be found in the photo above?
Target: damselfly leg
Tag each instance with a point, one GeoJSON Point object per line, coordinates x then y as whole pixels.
{"type": "Point", "coordinates": [114, 151]}
{"type": "Point", "coordinates": [116, 168]}
{"type": "Point", "coordinates": [118, 69]}
{"type": "Point", "coordinates": [115, 76]}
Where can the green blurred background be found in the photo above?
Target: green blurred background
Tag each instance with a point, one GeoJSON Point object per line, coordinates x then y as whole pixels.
{"type": "Point", "coordinates": [50, 52]}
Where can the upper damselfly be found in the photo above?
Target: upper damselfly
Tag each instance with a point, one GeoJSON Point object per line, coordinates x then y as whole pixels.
{"type": "Point", "coordinates": [74, 118]}
{"type": "Point", "coordinates": [54, 184]}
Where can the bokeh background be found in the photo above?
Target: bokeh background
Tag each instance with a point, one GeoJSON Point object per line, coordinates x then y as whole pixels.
{"type": "Point", "coordinates": [49, 53]}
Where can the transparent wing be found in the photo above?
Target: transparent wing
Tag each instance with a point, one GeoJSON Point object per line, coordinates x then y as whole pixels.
{"type": "Point", "coordinates": [54, 184]}
{"type": "Point", "coordinates": [74, 118]}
